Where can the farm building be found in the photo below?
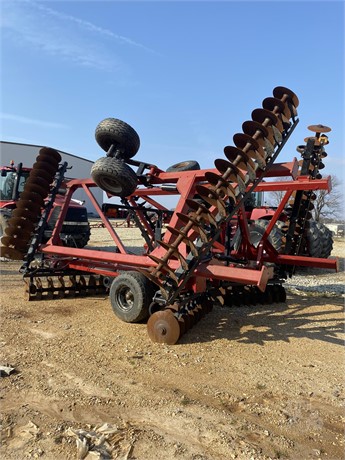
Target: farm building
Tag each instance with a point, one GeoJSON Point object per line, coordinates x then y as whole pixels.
{"type": "Point", "coordinates": [27, 153]}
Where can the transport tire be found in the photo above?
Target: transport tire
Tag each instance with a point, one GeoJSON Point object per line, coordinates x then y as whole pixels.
{"type": "Point", "coordinates": [114, 176]}
{"type": "Point", "coordinates": [112, 131]}
{"type": "Point", "coordinates": [130, 296]}
{"type": "Point", "coordinates": [189, 165]}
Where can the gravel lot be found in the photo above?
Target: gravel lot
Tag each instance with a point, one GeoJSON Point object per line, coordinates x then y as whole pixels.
{"type": "Point", "coordinates": [251, 383]}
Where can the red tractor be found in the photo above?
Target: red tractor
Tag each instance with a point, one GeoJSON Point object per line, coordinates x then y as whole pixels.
{"type": "Point", "coordinates": [318, 238]}
{"type": "Point", "coordinates": [75, 231]}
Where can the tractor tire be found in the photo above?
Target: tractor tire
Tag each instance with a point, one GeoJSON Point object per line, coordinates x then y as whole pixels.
{"type": "Point", "coordinates": [326, 240]}
{"type": "Point", "coordinates": [4, 218]}
{"type": "Point", "coordinates": [114, 176]}
{"type": "Point", "coordinates": [189, 165]}
{"type": "Point", "coordinates": [256, 231]}
{"type": "Point", "coordinates": [313, 237]}
{"type": "Point", "coordinates": [130, 296]}
{"type": "Point", "coordinates": [112, 131]}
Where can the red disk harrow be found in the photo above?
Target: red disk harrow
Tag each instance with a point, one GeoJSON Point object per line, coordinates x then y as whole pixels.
{"type": "Point", "coordinates": [208, 251]}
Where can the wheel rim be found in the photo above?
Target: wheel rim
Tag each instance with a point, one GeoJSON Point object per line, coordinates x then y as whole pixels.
{"type": "Point", "coordinates": [125, 298]}
{"type": "Point", "coordinates": [110, 184]}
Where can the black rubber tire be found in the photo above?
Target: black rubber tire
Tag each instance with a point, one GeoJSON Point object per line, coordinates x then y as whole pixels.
{"type": "Point", "coordinates": [256, 230]}
{"type": "Point", "coordinates": [112, 131]}
{"type": "Point", "coordinates": [4, 218]}
{"type": "Point", "coordinates": [326, 238]}
{"type": "Point", "coordinates": [189, 165]}
{"type": "Point", "coordinates": [130, 296]}
{"type": "Point", "coordinates": [314, 244]}
{"type": "Point", "coordinates": [114, 176]}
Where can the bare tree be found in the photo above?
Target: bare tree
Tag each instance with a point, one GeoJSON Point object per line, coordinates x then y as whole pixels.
{"type": "Point", "coordinates": [274, 198]}
{"type": "Point", "coordinates": [329, 205]}
{"type": "Point", "coordinates": [326, 205]}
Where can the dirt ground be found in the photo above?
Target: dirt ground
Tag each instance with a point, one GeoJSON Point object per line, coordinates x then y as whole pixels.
{"type": "Point", "coordinates": [251, 383]}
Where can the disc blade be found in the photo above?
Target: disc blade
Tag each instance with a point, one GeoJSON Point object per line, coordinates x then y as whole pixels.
{"type": "Point", "coordinates": [31, 187]}
{"type": "Point", "coordinates": [51, 152]}
{"type": "Point", "coordinates": [49, 177]}
{"type": "Point", "coordinates": [42, 182]}
{"type": "Point", "coordinates": [17, 232]}
{"type": "Point", "coordinates": [34, 197]}
{"type": "Point", "coordinates": [10, 253]}
{"type": "Point", "coordinates": [281, 92]}
{"type": "Point", "coordinates": [51, 169]}
{"type": "Point", "coordinates": [22, 223]}
{"type": "Point", "coordinates": [163, 327]}
{"type": "Point", "coordinates": [17, 244]}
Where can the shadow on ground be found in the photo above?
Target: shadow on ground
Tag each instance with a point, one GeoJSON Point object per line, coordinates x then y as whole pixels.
{"type": "Point", "coordinates": [275, 322]}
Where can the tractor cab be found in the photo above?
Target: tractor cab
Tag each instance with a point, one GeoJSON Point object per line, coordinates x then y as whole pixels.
{"type": "Point", "coordinates": [12, 181]}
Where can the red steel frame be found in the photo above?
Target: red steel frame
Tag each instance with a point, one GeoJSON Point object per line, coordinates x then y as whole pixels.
{"type": "Point", "coordinates": [109, 263]}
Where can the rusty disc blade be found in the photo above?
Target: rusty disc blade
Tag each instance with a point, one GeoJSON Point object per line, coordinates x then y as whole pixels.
{"type": "Point", "coordinates": [246, 142]}
{"type": "Point", "coordinates": [179, 234]}
{"type": "Point", "coordinates": [30, 187]}
{"type": "Point", "coordinates": [197, 226]}
{"type": "Point", "coordinates": [300, 148]}
{"type": "Point", "coordinates": [281, 92]}
{"type": "Point", "coordinates": [47, 159]}
{"type": "Point", "coordinates": [45, 166]}
{"type": "Point", "coordinates": [22, 223]}
{"type": "Point", "coordinates": [39, 181]}
{"type": "Point", "coordinates": [276, 105]}
{"type": "Point", "coordinates": [11, 253]}
{"type": "Point", "coordinates": [267, 117]}
{"type": "Point", "coordinates": [197, 206]}
{"type": "Point", "coordinates": [224, 166]}
{"type": "Point", "coordinates": [30, 205]}
{"type": "Point", "coordinates": [252, 128]}
{"type": "Point", "coordinates": [319, 128]}
{"type": "Point", "coordinates": [212, 198]}
{"type": "Point", "coordinates": [33, 197]}
{"type": "Point", "coordinates": [238, 157]}
{"type": "Point", "coordinates": [51, 152]}
{"type": "Point", "coordinates": [163, 327]}
{"type": "Point", "coordinates": [17, 232]}
{"type": "Point", "coordinates": [165, 266]}
{"type": "Point", "coordinates": [17, 244]}
{"type": "Point", "coordinates": [205, 191]}
{"type": "Point", "coordinates": [218, 181]}
{"type": "Point", "coordinates": [215, 179]}
{"type": "Point", "coordinates": [25, 214]}
{"type": "Point", "coordinates": [187, 322]}
{"type": "Point", "coordinates": [42, 174]}
{"type": "Point", "coordinates": [174, 251]}
{"type": "Point", "coordinates": [183, 326]}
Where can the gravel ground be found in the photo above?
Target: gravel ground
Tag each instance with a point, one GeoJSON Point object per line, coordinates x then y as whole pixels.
{"type": "Point", "coordinates": [306, 281]}
{"type": "Point", "coordinates": [312, 281]}
{"type": "Point", "coordinates": [246, 383]}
